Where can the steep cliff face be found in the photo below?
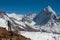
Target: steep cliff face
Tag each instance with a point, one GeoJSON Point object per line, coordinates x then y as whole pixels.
{"type": "Point", "coordinates": [48, 20]}
{"type": "Point", "coordinates": [46, 15]}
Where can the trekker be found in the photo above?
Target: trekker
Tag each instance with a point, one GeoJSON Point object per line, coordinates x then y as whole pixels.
{"type": "Point", "coordinates": [9, 25]}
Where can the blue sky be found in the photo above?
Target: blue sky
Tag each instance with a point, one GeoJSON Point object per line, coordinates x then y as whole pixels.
{"type": "Point", "coordinates": [26, 6]}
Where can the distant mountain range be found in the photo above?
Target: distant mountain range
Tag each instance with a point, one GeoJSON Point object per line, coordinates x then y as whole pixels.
{"type": "Point", "coordinates": [46, 21]}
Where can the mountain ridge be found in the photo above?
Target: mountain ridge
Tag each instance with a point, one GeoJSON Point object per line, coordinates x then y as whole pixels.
{"type": "Point", "coordinates": [47, 21]}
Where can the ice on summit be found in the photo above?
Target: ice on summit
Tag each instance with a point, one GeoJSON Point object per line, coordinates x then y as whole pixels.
{"type": "Point", "coordinates": [50, 10]}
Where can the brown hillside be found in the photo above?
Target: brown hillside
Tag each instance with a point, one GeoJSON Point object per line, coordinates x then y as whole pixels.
{"type": "Point", "coordinates": [9, 35]}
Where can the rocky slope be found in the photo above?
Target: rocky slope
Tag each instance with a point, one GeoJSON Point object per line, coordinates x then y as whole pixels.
{"type": "Point", "coordinates": [9, 35]}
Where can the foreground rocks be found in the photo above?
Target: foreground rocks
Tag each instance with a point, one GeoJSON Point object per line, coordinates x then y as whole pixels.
{"type": "Point", "coordinates": [9, 35]}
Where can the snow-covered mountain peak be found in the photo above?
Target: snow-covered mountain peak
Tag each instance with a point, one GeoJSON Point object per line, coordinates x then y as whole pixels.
{"type": "Point", "coordinates": [3, 15]}
{"type": "Point", "coordinates": [46, 15]}
{"type": "Point", "coordinates": [16, 16]}
{"type": "Point", "coordinates": [31, 15]}
{"type": "Point", "coordinates": [49, 9]}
